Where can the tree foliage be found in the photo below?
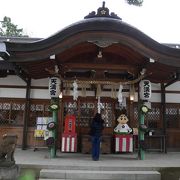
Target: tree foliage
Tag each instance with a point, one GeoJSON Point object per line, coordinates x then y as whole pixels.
{"type": "Point", "coordinates": [7, 28]}
{"type": "Point", "coordinates": [135, 2]}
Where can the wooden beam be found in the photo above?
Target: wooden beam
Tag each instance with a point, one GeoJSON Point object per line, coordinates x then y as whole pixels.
{"type": "Point", "coordinates": [176, 78]}
{"type": "Point", "coordinates": [105, 66]}
{"type": "Point", "coordinates": [19, 73]}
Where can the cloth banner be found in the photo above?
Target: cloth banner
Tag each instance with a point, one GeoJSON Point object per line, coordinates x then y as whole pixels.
{"type": "Point", "coordinates": [69, 143]}
{"type": "Point", "coordinates": [124, 143]}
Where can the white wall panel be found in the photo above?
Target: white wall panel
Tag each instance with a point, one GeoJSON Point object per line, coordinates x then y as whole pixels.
{"type": "Point", "coordinates": [40, 94]}
{"type": "Point", "coordinates": [155, 97]}
{"type": "Point", "coordinates": [12, 80]}
{"type": "Point", "coordinates": [12, 93]}
{"type": "Point", "coordinates": [173, 98]}
{"type": "Point", "coordinates": [155, 86]}
{"type": "Point", "coordinates": [44, 93]}
{"type": "Point", "coordinates": [175, 87]}
{"type": "Point", "coordinates": [40, 82]}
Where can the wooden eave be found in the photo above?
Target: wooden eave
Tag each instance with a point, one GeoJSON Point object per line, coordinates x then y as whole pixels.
{"type": "Point", "coordinates": [125, 49]}
{"type": "Point", "coordinates": [95, 29]}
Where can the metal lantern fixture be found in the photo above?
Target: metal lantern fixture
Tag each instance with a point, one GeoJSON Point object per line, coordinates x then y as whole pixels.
{"type": "Point", "coordinates": [54, 104]}
{"type": "Point", "coordinates": [144, 109]}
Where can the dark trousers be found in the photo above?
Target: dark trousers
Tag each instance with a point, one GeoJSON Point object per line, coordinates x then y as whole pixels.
{"type": "Point", "coordinates": [95, 147]}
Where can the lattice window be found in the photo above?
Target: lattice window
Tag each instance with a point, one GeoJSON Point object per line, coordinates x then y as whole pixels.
{"type": "Point", "coordinates": [152, 119]}
{"type": "Point", "coordinates": [71, 108]}
{"type": "Point", "coordinates": [86, 114]}
{"type": "Point", "coordinates": [6, 106]}
{"type": "Point", "coordinates": [38, 110]}
{"type": "Point", "coordinates": [108, 114]}
{"type": "Point", "coordinates": [134, 122]}
{"type": "Point", "coordinates": [136, 114]}
{"type": "Point", "coordinates": [173, 117]}
{"type": "Point", "coordinates": [5, 113]}
{"type": "Point", "coordinates": [37, 107]}
{"type": "Point", "coordinates": [17, 113]}
{"type": "Point", "coordinates": [11, 113]}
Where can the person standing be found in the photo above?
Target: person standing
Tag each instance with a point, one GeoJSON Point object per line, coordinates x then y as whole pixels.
{"type": "Point", "coordinates": [96, 133]}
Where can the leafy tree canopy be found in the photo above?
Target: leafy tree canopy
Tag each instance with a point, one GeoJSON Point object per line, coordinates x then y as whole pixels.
{"type": "Point", "coordinates": [7, 28]}
{"type": "Point", "coordinates": [135, 2]}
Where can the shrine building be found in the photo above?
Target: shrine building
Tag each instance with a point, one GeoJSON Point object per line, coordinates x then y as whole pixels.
{"type": "Point", "coordinates": [101, 54]}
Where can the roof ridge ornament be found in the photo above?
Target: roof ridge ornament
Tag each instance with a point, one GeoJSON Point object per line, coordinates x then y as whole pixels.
{"type": "Point", "coordinates": [102, 12]}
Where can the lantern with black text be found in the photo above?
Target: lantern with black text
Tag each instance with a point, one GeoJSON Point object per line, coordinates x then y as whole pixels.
{"type": "Point", "coordinates": [54, 84]}
{"type": "Point", "coordinates": [145, 89]}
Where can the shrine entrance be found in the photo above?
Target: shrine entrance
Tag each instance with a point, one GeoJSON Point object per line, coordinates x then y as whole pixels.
{"type": "Point", "coordinates": [84, 110]}
{"type": "Point", "coordinates": [101, 50]}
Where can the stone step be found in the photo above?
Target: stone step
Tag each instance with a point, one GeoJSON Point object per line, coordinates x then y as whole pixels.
{"type": "Point", "coordinates": [98, 175]}
{"type": "Point", "coordinates": [52, 179]}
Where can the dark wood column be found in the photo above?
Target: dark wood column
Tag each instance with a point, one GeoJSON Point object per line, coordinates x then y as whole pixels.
{"type": "Point", "coordinates": [163, 102]}
{"type": "Point", "coordinates": [26, 114]}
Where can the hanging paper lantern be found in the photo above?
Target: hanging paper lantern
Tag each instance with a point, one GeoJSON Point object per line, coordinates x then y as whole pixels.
{"type": "Point", "coordinates": [54, 84]}
{"type": "Point", "coordinates": [145, 89]}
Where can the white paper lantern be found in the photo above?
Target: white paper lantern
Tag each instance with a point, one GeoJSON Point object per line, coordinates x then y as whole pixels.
{"type": "Point", "coordinates": [54, 86]}
{"type": "Point", "coordinates": [145, 89]}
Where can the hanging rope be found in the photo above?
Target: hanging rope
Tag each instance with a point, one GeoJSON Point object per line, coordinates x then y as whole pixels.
{"type": "Point", "coordinates": [106, 82]}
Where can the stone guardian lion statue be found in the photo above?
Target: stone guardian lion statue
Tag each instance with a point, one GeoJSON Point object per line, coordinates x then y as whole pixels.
{"type": "Point", "coordinates": [7, 148]}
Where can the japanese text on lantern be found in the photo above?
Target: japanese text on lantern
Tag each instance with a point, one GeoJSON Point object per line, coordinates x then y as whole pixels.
{"type": "Point", "coordinates": [54, 84]}
{"type": "Point", "coordinates": [145, 89]}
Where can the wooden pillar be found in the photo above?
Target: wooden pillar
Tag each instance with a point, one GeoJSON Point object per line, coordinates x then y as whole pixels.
{"type": "Point", "coordinates": [26, 115]}
{"type": "Point", "coordinates": [163, 102]}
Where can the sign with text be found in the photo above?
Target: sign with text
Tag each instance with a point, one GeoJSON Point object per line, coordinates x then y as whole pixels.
{"type": "Point", "coordinates": [145, 89]}
{"type": "Point", "coordinates": [54, 86]}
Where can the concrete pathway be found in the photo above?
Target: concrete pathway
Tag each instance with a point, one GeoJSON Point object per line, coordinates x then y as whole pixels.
{"type": "Point", "coordinates": [41, 158]}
